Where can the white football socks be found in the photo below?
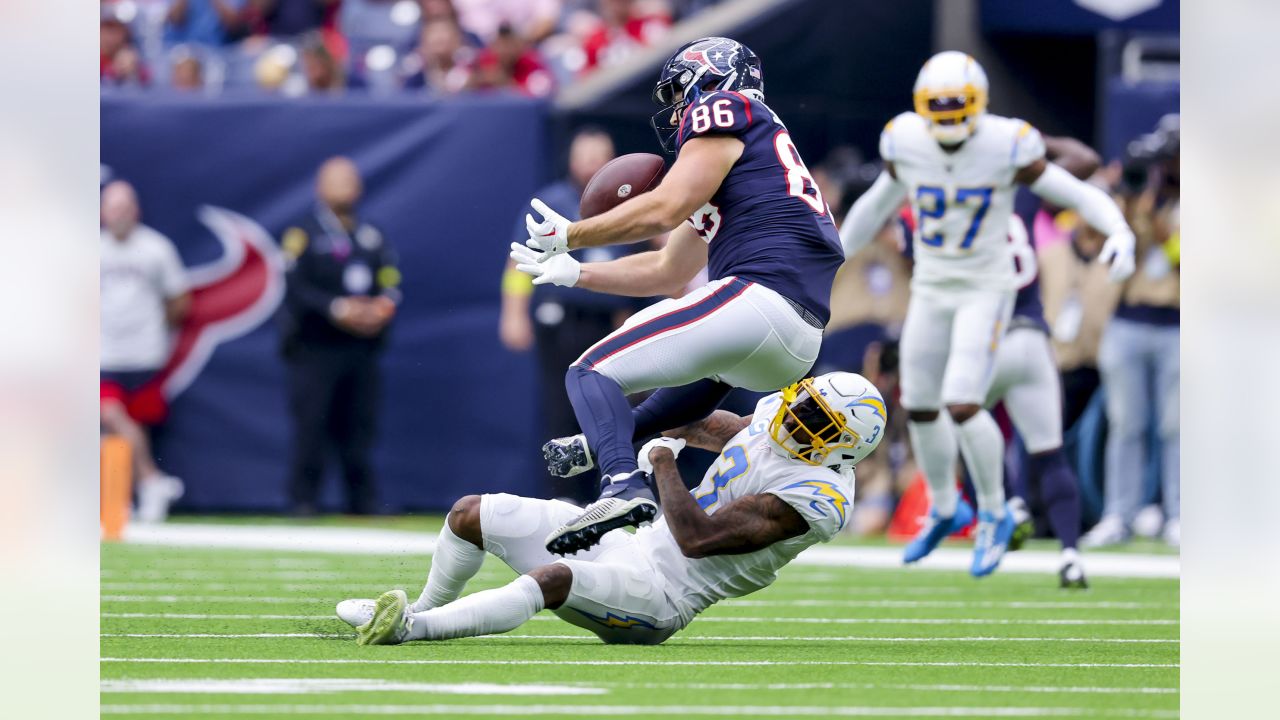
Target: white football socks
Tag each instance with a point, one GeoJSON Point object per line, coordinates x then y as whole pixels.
{"type": "Point", "coordinates": [454, 563]}
{"type": "Point", "coordinates": [483, 613]}
{"type": "Point", "coordinates": [983, 448]}
{"type": "Point", "coordinates": [935, 448]}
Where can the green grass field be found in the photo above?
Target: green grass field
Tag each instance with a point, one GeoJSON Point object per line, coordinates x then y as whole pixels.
{"type": "Point", "coordinates": [226, 633]}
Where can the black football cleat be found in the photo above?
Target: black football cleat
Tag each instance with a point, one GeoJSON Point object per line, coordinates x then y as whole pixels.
{"type": "Point", "coordinates": [568, 456]}
{"type": "Point", "coordinates": [597, 519]}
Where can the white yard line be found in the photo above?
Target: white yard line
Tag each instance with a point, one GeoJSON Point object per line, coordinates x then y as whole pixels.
{"type": "Point", "coordinates": [627, 710]}
{"type": "Point", "coordinates": [678, 638]}
{"type": "Point", "coordinates": [356, 541]}
{"type": "Point", "coordinates": [898, 686]}
{"type": "Point", "coordinates": [1013, 605]}
{"type": "Point", "coordinates": [214, 616]}
{"type": "Point", "coordinates": [704, 619]}
{"type": "Point", "coordinates": [309, 686]}
{"type": "Point", "coordinates": [252, 686]}
{"type": "Point", "coordinates": [626, 663]}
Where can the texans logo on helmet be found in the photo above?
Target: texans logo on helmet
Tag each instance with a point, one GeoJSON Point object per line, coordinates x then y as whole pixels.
{"type": "Point", "coordinates": [229, 297]}
{"type": "Point", "coordinates": [715, 54]}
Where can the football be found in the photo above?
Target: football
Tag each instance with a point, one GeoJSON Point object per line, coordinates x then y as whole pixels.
{"type": "Point", "coordinates": [620, 180]}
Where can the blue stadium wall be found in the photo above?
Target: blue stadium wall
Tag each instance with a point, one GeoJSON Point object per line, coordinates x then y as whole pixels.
{"type": "Point", "coordinates": [445, 182]}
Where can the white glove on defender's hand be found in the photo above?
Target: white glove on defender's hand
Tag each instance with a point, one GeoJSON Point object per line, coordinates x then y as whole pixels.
{"type": "Point", "coordinates": [1117, 253]}
{"type": "Point", "coordinates": [551, 236]}
{"type": "Point", "coordinates": [545, 268]}
{"type": "Point", "coordinates": [675, 445]}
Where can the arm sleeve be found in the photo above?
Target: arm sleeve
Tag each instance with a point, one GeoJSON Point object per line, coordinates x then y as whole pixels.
{"type": "Point", "coordinates": [870, 213]}
{"type": "Point", "coordinates": [824, 501]}
{"type": "Point", "coordinates": [1096, 207]}
{"type": "Point", "coordinates": [1028, 146]}
{"type": "Point", "coordinates": [173, 277]}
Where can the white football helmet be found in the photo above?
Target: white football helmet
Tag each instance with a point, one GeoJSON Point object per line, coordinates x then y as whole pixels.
{"type": "Point", "coordinates": [831, 420]}
{"type": "Point", "coordinates": [951, 94]}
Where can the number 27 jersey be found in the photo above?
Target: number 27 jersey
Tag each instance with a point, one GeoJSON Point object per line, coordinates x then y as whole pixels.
{"type": "Point", "coordinates": [961, 201]}
{"type": "Point", "coordinates": [767, 222]}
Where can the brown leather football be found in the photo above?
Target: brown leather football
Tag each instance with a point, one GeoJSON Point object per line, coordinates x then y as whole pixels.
{"type": "Point", "coordinates": [620, 180]}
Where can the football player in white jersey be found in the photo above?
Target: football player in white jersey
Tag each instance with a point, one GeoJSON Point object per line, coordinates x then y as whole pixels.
{"type": "Point", "coordinates": [783, 482]}
{"type": "Point", "coordinates": [959, 166]}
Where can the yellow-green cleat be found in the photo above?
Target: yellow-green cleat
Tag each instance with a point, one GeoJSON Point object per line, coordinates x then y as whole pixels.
{"type": "Point", "coordinates": [387, 626]}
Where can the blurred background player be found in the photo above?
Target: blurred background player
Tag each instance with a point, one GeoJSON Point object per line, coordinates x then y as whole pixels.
{"type": "Point", "coordinates": [1139, 357]}
{"type": "Point", "coordinates": [559, 323]}
{"type": "Point", "coordinates": [791, 465]}
{"type": "Point", "coordinates": [342, 286]}
{"type": "Point", "coordinates": [739, 201]}
{"type": "Point", "coordinates": [958, 166]}
{"type": "Point", "coordinates": [143, 293]}
{"type": "Point", "coordinates": [1025, 378]}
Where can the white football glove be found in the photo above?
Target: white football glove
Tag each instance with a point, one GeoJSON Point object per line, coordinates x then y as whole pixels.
{"type": "Point", "coordinates": [675, 445]}
{"type": "Point", "coordinates": [1117, 254]}
{"type": "Point", "coordinates": [545, 268]}
{"type": "Point", "coordinates": [551, 236]}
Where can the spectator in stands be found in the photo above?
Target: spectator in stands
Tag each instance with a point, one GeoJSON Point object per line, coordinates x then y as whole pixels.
{"type": "Point", "coordinates": [559, 323]}
{"type": "Point", "coordinates": [187, 73]}
{"type": "Point", "coordinates": [287, 18]}
{"type": "Point", "coordinates": [1138, 359]}
{"type": "Point", "coordinates": [143, 293]}
{"type": "Point", "coordinates": [442, 61]}
{"type": "Point", "coordinates": [204, 22]}
{"type": "Point", "coordinates": [320, 69]}
{"type": "Point", "coordinates": [625, 26]}
{"type": "Point", "coordinates": [532, 20]}
{"type": "Point", "coordinates": [120, 63]}
{"type": "Point", "coordinates": [509, 62]}
{"type": "Point", "coordinates": [341, 289]}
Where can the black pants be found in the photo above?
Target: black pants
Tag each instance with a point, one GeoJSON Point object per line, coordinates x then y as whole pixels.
{"type": "Point", "coordinates": [333, 398]}
{"type": "Point", "coordinates": [557, 346]}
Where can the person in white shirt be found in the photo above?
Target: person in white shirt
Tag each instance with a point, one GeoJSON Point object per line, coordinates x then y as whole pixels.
{"type": "Point", "coordinates": [783, 483]}
{"type": "Point", "coordinates": [143, 293]}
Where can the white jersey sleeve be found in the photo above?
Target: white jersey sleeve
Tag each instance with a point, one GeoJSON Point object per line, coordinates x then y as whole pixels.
{"type": "Point", "coordinates": [823, 498]}
{"type": "Point", "coordinates": [1028, 146]}
{"type": "Point", "coordinates": [888, 138]}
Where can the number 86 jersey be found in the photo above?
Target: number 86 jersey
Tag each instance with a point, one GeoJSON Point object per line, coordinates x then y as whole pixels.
{"type": "Point", "coordinates": [768, 222]}
{"type": "Point", "coordinates": [961, 200]}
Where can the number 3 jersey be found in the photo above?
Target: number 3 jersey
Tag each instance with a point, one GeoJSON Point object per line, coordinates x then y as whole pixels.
{"type": "Point", "coordinates": [748, 466]}
{"type": "Point", "coordinates": [767, 222]}
{"type": "Point", "coordinates": [962, 200]}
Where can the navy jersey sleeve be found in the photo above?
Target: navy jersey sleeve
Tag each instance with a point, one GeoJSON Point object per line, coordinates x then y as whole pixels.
{"type": "Point", "coordinates": [717, 113]}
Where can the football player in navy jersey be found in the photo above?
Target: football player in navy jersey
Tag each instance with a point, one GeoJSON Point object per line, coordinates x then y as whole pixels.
{"type": "Point", "coordinates": [739, 200]}
{"type": "Point", "coordinates": [1026, 377]}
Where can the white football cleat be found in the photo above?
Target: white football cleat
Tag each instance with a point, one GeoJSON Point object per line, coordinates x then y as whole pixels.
{"type": "Point", "coordinates": [356, 612]}
{"type": "Point", "coordinates": [155, 495]}
{"type": "Point", "coordinates": [1071, 573]}
{"type": "Point", "coordinates": [1173, 533]}
{"type": "Point", "coordinates": [597, 519]}
{"type": "Point", "coordinates": [388, 624]}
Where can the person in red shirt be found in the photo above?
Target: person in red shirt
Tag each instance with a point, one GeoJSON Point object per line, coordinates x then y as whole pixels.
{"type": "Point", "coordinates": [627, 26]}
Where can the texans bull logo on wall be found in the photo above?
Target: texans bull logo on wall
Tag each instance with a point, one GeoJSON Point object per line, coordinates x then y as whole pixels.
{"type": "Point", "coordinates": [229, 297]}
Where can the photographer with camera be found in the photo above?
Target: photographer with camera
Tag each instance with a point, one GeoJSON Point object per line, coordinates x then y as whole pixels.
{"type": "Point", "coordinates": [1138, 356]}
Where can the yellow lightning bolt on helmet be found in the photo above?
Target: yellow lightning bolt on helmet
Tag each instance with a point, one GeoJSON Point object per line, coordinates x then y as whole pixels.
{"type": "Point", "coordinates": [834, 420]}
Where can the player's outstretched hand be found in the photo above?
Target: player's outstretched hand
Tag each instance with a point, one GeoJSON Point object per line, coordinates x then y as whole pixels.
{"type": "Point", "coordinates": [675, 445]}
{"type": "Point", "coordinates": [1117, 253]}
{"type": "Point", "coordinates": [545, 268]}
{"type": "Point", "coordinates": [551, 236]}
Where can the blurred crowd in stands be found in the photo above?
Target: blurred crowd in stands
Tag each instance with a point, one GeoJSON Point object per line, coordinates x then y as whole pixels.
{"type": "Point", "coordinates": [306, 47]}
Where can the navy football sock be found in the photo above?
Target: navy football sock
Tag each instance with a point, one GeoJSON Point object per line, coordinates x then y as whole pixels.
{"type": "Point", "coordinates": [605, 418]}
{"type": "Point", "coordinates": [1060, 492]}
{"type": "Point", "coordinates": [670, 408]}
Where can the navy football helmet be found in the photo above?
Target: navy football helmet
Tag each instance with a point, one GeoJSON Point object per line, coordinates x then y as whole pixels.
{"type": "Point", "coordinates": [711, 63]}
